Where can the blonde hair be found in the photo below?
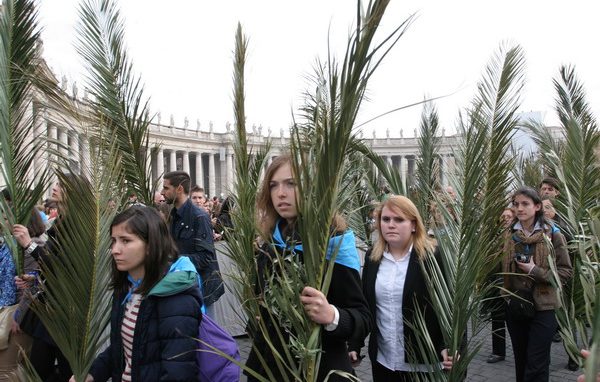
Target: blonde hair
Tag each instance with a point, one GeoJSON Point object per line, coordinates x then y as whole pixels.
{"type": "Point", "coordinates": [267, 216]}
{"type": "Point", "coordinates": [421, 242]}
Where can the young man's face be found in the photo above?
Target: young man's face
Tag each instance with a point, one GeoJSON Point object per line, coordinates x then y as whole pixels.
{"type": "Point", "coordinates": [549, 190]}
{"type": "Point", "coordinates": [169, 191]}
{"type": "Point", "coordinates": [198, 199]}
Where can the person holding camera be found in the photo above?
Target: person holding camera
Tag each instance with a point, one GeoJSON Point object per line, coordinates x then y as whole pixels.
{"type": "Point", "coordinates": [532, 297]}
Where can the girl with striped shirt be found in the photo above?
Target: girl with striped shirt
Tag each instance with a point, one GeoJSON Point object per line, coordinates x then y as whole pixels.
{"type": "Point", "coordinates": [156, 305]}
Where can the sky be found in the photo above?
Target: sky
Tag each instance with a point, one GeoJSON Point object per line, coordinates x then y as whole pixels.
{"type": "Point", "coordinates": [183, 51]}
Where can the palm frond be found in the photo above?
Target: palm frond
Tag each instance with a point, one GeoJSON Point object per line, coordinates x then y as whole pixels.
{"type": "Point", "coordinates": [528, 168]}
{"type": "Point", "coordinates": [575, 163]}
{"type": "Point", "coordinates": [359, 190]}
{"type": "Point", "coordinates": [387, 171]}
{"type": "Point", "coordinates": [242, 239]}
{"type": "Point", "coordinates": [19, 144]}
{"type": "Point", "coordinates": [318, 158]}
{"type": "Point", "coordinates": [117, 93]}
{"type": "Point", "coordinates": [77, 302]}
{"type": "Point", "coordinates": [427, 179]}
{"type": "Point", "coordinates": [471, 240]}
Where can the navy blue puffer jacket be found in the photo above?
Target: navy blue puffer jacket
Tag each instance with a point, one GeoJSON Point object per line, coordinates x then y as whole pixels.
{"type": "Point", "coordinates": [163, 345]}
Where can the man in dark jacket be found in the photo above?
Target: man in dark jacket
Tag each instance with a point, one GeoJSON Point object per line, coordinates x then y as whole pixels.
{"type": "Point", "coordinates": [191, 230]}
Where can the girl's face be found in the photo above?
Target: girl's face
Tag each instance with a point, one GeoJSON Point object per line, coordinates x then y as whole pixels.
{"type": "Point", "coordinates": [549, 211]}
{"type": "Point", "coordinates": [396, 228]}
{"type": "Point", "coordinates": [128, 251]}
{"type": "Point", "coordinates": [283, 192]}
{"type": "Point", "coordinates": [525, 209]}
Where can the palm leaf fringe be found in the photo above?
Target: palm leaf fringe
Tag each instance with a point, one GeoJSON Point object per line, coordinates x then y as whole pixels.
{"type": "Point", "coordinates": [575, 163]}
{"type": "Point", "coordinates": [77, 301]}
{"type": "Point", "coordinates": [117, 94]}
{"type": "Point", "coordinates": [471, 241]}
{"type": "Point", "coordinates": [19, 146]}
{"type": "Point", "coordinates": [427, 177]}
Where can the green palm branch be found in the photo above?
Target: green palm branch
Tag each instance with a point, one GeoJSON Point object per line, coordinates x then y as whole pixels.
{"type": "Point", "coordinates": [242, 239]}
{"type": "Point", "coordinates": [77, 301]}
{"type": "Point", "coordinates": [318, 158]}
{"type": "Point", "coordinates": [359, 190]}
{"type": "Point", "coordinates": [574, 162]}
{"type": "Point", "coordinates": [387, 172]}
{"type": "Point", "coordinates": [117, 94]}
{"type": "Point", "coordinates": [19, 144]}
{"type": "Point", "coordinates": [471, 241]}
{"type": "Point", "coordinates": [528, 168]}
{"type": "Point", "coordinates": [427, 179]}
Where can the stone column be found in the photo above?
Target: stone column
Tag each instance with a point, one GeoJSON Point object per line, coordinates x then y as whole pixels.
{"type": "Point", "coordinates": [51, 153]}
{"type": "Point", "coordinates": [211, 175]}
{"type": "Point", "coordinates": [63, 136]}
{"type": "Point", "coordinates": [230, 175]}
{"type": "Point", "coordinates": [186, 162]}
{"type": "Point", "coordinates": [160, 167]}
{"type": "Point", "coordinates": [74, 155]}
{"type": "Point", "coordinates": [199, 170]}
{"type": "Point", "coordinates": [84, 158]}
{"type": "Point", "coordinates": [39, 138]}
{"type": "Point", "coordinates": [443, 177]}
{"type": "Point", "coordinates": [173, 160]}
{"type": "Point", "coordinates": [404, 170]}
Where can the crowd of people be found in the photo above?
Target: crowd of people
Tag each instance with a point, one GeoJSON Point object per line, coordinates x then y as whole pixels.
{"type": "Point", "coordinates": [165, 277]}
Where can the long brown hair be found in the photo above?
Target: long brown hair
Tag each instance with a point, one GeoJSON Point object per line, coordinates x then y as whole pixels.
{"type": "Point", "coordinates": [146, 223]}
{"type": "Point", "coordinates": [420, 241]}
{"type": "Point", "coordinates": [267, 216]}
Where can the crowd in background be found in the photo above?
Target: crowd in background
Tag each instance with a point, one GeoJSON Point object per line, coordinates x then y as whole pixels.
{"type": "Point", "coordinates": [381, 299]}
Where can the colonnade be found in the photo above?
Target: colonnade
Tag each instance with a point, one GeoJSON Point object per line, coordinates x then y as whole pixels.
{"type": "Point", "coordinates": [212, 171]}
{"type": "Point", "coordinates": [208, 156]}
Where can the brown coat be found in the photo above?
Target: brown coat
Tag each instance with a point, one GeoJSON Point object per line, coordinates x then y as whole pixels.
{"type": "Point", "coordinates": [540, 279]}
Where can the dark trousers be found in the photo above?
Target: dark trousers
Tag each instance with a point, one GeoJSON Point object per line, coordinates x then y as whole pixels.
{"type": "Point", "coordinates": [498, 333]}
{"type": "Point", "coordinates": [531, 341]}
{"type": "Point", "coordinates": [383, 374]}
{"type": "Point", "coordinates": [49, 362]}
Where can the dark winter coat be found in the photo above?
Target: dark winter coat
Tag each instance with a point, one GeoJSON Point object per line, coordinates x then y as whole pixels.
{"type": "Point", "coordinates": [346, 295]}
{"type": "Point", "coordinates": [192, 232]}
{"type": "Point", "coordinates": [163, 344]}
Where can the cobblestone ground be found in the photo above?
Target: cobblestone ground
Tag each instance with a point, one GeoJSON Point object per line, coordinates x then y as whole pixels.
{"type": "Point", "coordinates": [479, 370]}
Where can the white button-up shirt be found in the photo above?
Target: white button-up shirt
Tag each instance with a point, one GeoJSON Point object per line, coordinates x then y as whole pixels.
{"type": "Point", "coordinates": [389, 289]}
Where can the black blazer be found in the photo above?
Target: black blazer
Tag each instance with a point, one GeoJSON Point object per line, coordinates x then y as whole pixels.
{"type": "Point", "coordinates": [416, 294]}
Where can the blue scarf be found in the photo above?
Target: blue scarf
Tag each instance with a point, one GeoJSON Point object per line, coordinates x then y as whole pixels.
{"type": "Point", "coordinates": [347, 254]}
{"type": "Point", "coordinates": [134, 285]}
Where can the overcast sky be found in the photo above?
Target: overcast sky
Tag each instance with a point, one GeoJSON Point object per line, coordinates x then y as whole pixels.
{"type": "Point", "coordinates": [183, 51]}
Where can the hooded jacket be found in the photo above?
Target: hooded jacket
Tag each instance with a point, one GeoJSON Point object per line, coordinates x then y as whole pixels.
{"type": "Point", "coordinates": [165, 331]}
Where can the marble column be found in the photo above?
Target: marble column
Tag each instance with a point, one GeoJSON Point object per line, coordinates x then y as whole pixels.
{"type": "Point", "coordinates": [230, 175]}
{"type": "Point", "coordinates": [84, 158]}
{"type": "Point", "coordinates": [160, 167]}
{"type": "Point", "coordinates": [404, 170]}
{"type": "Point", "coordinates": [74, 157]}
{"type": "Point", "coordinates": [211, 175]}
{"type": "Point", "coordinates": [199, 170]}
{"type": "Point", "coordinates": [39, 139]}
{"type": "Point", "coordinates": [51, 153]}
{"type": "Point", "coordinates": [173, 160]}
{"type": "Point", "coordinates": [443, 177]}
{"type": "Point", "coordinates": [186, 162]}
{"type": "Point", "coordinates": [63, 136]}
